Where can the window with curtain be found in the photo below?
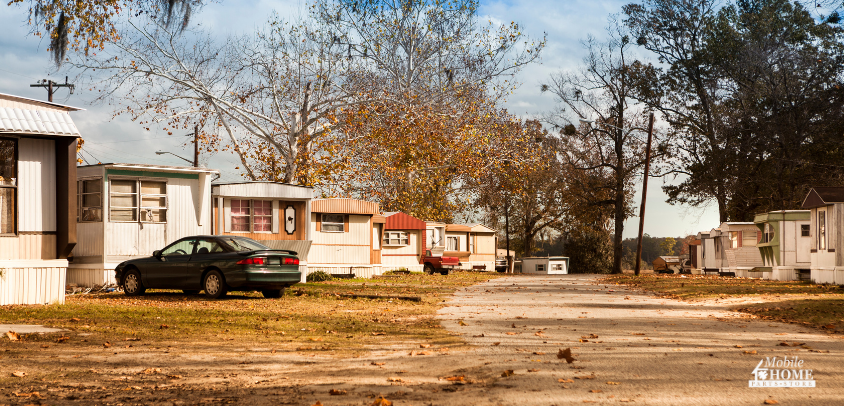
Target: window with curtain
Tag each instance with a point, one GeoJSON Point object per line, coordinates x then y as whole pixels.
{"type": "Point", "coordinates": [241, 211]}
{"type": "Point", "coordinates": [452, 244]}
{"type": "Point", "coordinates": [262, 220]}
{"type": "Point", "coordinates": [8, 185]}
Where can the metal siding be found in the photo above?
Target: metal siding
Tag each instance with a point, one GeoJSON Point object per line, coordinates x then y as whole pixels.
{"type": "Point", "coordinates": [344, 206]}
{"type": "Point", "coordinates": [36, 185]}
{"type": "Point", "coordinates": [403, 221]}
{"type": "Point", "coordinates": [256, 190]}
{"type": "Point", "coordinates": [32, 285]}
{"type": "Point", "coordinates": [121, 239]}
{"type": "Point", "coordinates": [182, 217]}
{"type": "Point", "coordinates": [343, 248]}
{"type": "Point", "coordinates": [90, 236]}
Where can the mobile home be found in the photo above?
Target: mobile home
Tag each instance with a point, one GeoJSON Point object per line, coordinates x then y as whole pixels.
{"type": "Point", "coordinates": [826, 234]}
{"type": "Point", "coordinates": [785, 244]}
{"type": "Point", "coordinates": [474, 244]}
{"type": "Point", "coordinates": [545, 265]}
{"type": "Point", "coordinates": [38, 143]}
{"type": "Point", "coordinates": [345, 237]}
{"type": "Point", "coordinates": [403, 242]}
{"type": "Point", "coordinates": [127, 211]}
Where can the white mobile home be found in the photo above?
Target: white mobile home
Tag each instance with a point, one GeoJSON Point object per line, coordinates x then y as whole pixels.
{"type": "Point", "coordinates": [545, 265]}
{"type": "Point", "coordinates": [784, 244]}
{"type": "Point", "coordinates": [826, 232]}
{"type": "Point", "coordinates": [37, 199]}
{"type": "Point", "coordinates": [731, 248]}
{"type": "Point", "coordinates": [403, 242]}
{"type": "Point", "coordinates": [128, 211]}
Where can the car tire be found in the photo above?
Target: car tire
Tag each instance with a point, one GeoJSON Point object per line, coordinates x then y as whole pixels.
{"type": "Point", "coordinates": [132, 284]}
{"type": "Point", "coordinates": [429, 269]}
{"type": "Point", "coordinates": [190, 291]}
{"type": "Point", "coordinates": [273, 293]}
{"type": "Point", "coordinates": [214, 285]}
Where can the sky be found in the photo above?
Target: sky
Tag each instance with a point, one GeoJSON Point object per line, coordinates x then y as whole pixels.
{"type": "Point", "coordinates": [24, 60]}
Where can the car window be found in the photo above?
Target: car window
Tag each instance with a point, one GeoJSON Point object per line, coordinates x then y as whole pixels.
{"type": "Point", "coordinates": [206, 246]}
{"type": "Point", "coordinates": [184, 247]}
{"type": "Point", "coordinates": [243, 244]}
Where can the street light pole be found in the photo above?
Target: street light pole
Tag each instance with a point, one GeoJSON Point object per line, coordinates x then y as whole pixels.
{"type": "Point", "coordinates": [644, 195]}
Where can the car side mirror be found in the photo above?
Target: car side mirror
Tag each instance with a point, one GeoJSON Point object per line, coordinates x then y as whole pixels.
{"type": "Point", "coordinates": [157, 254]}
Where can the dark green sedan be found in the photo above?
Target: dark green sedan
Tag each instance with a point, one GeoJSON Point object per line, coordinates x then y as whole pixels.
{"type": "Point", "coordinates": [215, 264]}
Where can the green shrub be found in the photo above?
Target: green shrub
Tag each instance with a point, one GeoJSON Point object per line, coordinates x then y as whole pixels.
{"type": "Point", "coordinates": [319, 276]}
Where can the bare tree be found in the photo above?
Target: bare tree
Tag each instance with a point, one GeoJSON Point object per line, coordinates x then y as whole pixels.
{"type": "Point", "coordinates": [602, 93]}
{"type": "Point", "coordinates": [282, 88]}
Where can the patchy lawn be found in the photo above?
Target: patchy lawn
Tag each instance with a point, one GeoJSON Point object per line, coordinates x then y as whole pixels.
{"type": "Point", "coordinates": [309, 317]}
{"type": "Point", "coordinates": [820, 306]}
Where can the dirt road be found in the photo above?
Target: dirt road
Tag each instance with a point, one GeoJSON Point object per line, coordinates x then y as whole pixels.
{"type": "Point", "coordinates": [629, 348]}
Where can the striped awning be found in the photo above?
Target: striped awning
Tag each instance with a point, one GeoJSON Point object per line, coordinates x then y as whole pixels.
{"type": "Point", "coordinates": [46, 122]}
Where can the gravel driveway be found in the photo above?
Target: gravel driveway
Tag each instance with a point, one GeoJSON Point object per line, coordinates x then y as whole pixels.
{"type": "Point", "coordinates": [629, 347]}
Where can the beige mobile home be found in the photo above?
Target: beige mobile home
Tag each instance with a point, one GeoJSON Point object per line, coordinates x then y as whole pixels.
{"type": "Point", "coordinates": [826, 207]}
{"type": "Point", "coordinates": [474, 244]}
{"type": "Point", "coordinates": [784, 244]}
{"type": "Point", "coordinates": [435, 237]}
{"type": "Point", "coordinates": [345, 237]}
{"type": "Point", "coordinates": [403, 242]}
{"type": "Point", "coordinates": [37, 199]}
{"type": "Point", "coordinates": [735, 252]}
{"type": "Point", "coordinates": [128, 211]}
{"type": "Point", "coordinates": [274, 214]}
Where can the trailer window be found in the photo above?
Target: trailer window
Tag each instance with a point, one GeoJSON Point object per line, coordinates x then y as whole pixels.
{"type": "Point", "coordinates": [8, 185]}
{"type": "Point", "coordinates": [333, 223]}
{"type": "Point", "coordinates": [91, 200]}
{"type": "Point", "coordinates": [396, 238]}
{"type": "Point", "coordinates": [123, 200]}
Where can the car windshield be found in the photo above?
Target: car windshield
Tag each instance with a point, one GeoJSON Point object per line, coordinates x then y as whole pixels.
{"type": "Point", "coordinates": [241, 244]}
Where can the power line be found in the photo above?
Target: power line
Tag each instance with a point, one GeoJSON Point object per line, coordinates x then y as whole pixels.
{"type": "Point", "coordinates": [49, 85]}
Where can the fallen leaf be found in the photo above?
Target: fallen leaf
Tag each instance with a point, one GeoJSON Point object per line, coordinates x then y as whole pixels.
{"type": "Point", "coordinates": [612, 383]}
{"type": "Point", "coordinates": [174, 377]}
{"type": "Point", "coordinates": [378, 364]}
{"type": "Point", "coordinates": [424, 345]}
{"type": "Point", "coordinates": [62, 339]}
{"type": "Point", "coordinates": [533, 370]}
{"type": "Point", "coordinates": [750, 352]}
{"type": "Point", "coordinates": [45, 346]}
{"type": "Point", "coordinates": [462, 323]}
{"type": "Point", "coordinates": [27, 395]}
{"type": "Point", "coordinates": [538, 353]}
{"type": "Point", "coordinates": [566, 354]}
{"type": "Point", "coordinates": [13, 336]}
{"type": "Point", "coordinates": [394, 379]}
{"type": "Point", "coordinates": [461, 378]}
{"type": "Point", "coordinates": [378, 333]}
{"type": "Point", "coordinates": [132, 339]}
{"type": "Point", "coordinates": [74, 319]}
{"type": "Point", "coordinates": [315, 338]}
{"type": "Point", "coordinates": [19, 374]}
{"type": "Point", "coordinates": [498, 343]}
{"type": "Point", "coordinates": [625, 400]}
{"type": "Point", "coordinates": [151, 371]}
{"type": "Point", "coordinates": [337, 392]}
{"type": "Point", "coordinates": [507, 373]}
{"type": "Point", "coordinates": [511, 333]}
{"type": "Point", "coordinates": [382, 402]}
{"type": "Point", "coordinates": [106, 344]}
{"type": "Point", "coordinates": [317, 403]}
{"type": "Point", "coordinates": [595, 391]}
{"type": "Point", "coordinates": [163, 326]}
{"type": "Point", "coordinates": [561, 380]}
{"type": "Point", "coordinates": [770, 402]}
{"type": "Point", "coordinates": [738, 346]}
{"type": "Point", "coordinates": [585, 377]}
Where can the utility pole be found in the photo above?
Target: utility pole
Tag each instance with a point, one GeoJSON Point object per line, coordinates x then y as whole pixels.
{"type": "Point", "coordinates": [644, 195]}
{"type": "Point", "coordinates": [507, 233]}
{"type": "Point", "coordinates": [196, 145]}
{"type": "Point", "coordinates": [52, 87]}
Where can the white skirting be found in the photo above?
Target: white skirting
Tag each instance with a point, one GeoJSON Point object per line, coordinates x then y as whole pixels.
{"type": "Point", "coordinates": [32, 281]}
{"type": "Point", "coordinates": [88, 277]}
{"type": "Point", "coordinates": [823, 275]}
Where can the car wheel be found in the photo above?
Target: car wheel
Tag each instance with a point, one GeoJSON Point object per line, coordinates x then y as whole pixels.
{"type": "Point", "coordinates": [132, 285]}
{"type": "Point", "coordinates": [214, 285]}
{"type": "Point", "coordinates": [190, 291]}
{"type": "Point", "coordinates": [273, 293]}
{"type": "Point", "coordinates": [429, 269]}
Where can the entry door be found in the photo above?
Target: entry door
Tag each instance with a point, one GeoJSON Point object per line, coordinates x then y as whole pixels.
{"type": "Point", "coordinates": [152, 233]}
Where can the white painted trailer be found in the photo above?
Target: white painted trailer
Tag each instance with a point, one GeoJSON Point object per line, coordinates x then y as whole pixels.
{"type": "Point", "coordinates": [127, 211]}
{"type": "Point", "coordinates": [545, 265]}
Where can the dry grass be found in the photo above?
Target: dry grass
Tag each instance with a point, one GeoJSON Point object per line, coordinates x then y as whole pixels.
{"type": "Point", "coordinates": [309, 317]}
{"type": "Point", "coordinates": [819, 306]}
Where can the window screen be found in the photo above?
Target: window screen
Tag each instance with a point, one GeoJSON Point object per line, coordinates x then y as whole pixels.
{"type": "Point", "coordinates": [123, 200]}
{"type": "Point", "coordinates": [91, 200]}
{"type": "Point", "coordinates": [333, 222]}
{"type": "Point", "coordinates": [153, 201]}
{"type": "Point", "coordinates": [8, 185]}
